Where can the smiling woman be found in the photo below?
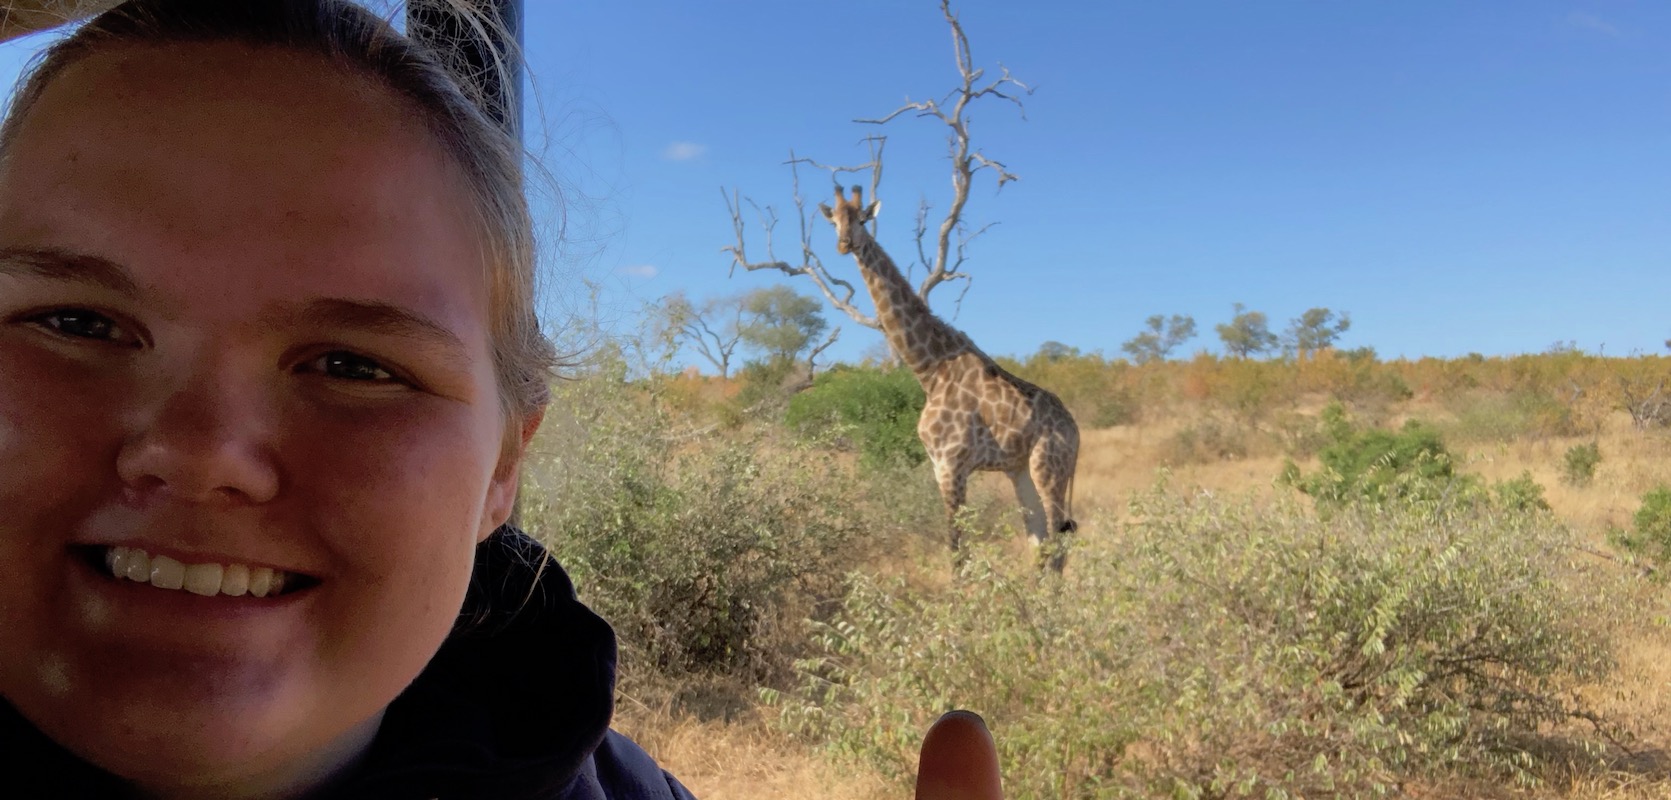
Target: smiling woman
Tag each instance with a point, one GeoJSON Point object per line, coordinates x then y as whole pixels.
{"type": "Point", "coordinates": [268, 366]}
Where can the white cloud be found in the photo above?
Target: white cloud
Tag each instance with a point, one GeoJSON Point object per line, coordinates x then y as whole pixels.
{"type": "Point", "coordinates": [683, 151]}
{"type": "Point", "coordinates": [645, 271]}
{"type": "Point", "coordinates": [1589, 22]}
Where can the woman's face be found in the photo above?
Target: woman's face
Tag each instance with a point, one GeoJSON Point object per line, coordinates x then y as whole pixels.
{"type": "Point", "coordinates": [244, 328]}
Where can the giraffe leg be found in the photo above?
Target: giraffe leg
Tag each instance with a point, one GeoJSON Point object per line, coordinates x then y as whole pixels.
{"type": "Point", "coordinates": [1032, 508]}
{"type": "Point", "coordinates": [1052, 466]}
{"type": "Point", "coordinates": [954, 490]}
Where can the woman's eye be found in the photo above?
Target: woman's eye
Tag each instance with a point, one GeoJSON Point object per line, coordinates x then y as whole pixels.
{"type": "Point", "coordinates": [349, 366]}
{"type": "Point", "coordinates": [80, 323]}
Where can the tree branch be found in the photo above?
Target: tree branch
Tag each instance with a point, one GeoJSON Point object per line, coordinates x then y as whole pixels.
{"type": "Point", "coordinates": [966, 159]}
{"type": "Point", "coordinates": [724, 344]}
{"type": "Point", "coordinates": [943, 260]}
{"type": "Point", "coordinates": [811, 266]}
{"type": "Point", "coordinates": [812, 357]}
{"type": "Point", "coordinates": [921, 230]}
{"type": "Point", "coordinates": [968, 282]}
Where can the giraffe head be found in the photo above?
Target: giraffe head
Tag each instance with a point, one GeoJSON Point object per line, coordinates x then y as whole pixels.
{"type": "Point", "coordinates": [849, 216]}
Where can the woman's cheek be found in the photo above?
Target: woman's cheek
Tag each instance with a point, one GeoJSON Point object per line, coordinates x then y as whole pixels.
{"type": "Point", "coordinates": [53, 410]}
{"type": "Point", "coordinates": [413, 472]}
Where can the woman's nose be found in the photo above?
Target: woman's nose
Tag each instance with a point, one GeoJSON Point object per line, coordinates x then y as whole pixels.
{"type": "Point", "coordinates": [207, 440]}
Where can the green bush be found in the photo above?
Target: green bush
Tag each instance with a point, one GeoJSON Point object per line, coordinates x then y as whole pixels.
{"type": "Point", "coordinates": [1226, 648]}
{"type": "Point", "coordinates": [704, 552]}
{"type": "Point", "coordinates": [872, 411]}
{"type": "Point", "coordinates": [1578, 466]}
{"type": "Point", "coordinates": [1520, 494]}
{"type": "Point", "coordinates": [1374, 464]}
{"type": "Point", "coordinates": [1650, 533]}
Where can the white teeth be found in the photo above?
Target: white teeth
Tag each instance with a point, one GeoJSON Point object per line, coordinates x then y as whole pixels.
{"type": "Point", "coordinates": [236, 580]}
{"type": "Point", "coordinates": [166, 573]}
{"type": "Point", "coordinates": [204, 579]}
{"type": "Point", "coordinates": [139, 565]}
{"type": "Point", "coordinates": [207, 580]}
{"type": "Point", "coordinates": [260, 580]}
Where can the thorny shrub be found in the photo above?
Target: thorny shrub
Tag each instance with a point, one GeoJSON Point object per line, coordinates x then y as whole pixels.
{"type": "Point", "coordinates": [1208, 440]}
{"type": "Point", "coordinates": [705, 552]}
{"type": "Point", "coordinates": [1227, 648]}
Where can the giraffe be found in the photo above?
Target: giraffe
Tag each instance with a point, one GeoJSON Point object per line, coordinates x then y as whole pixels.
{"type": "Point", "coordinates": [977, 416]}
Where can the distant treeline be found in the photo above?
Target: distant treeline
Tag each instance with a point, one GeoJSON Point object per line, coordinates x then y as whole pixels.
{"type": "Point", "coordinates": [1571, 390]}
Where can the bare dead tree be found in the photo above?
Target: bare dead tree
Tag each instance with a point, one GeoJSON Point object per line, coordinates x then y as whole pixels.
{"type": "Point", "coordinates": [713, 329]}
{"type": "Point", "coordinates": [952, 111]}
{"type": "Point", "coordinates": [800, 379]}
{"type": "Point", "coordinates": [942, 246]}
{"type": "Point", "coordinates": [1648, 407]}
{"type": "Point", "coordinates": [812, 357]}
{"type": "Point", "coordinates": [837, 291]}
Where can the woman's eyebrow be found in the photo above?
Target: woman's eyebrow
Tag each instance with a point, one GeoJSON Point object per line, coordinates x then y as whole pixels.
{"type": "Point", "coordinates": [378, 317]}
{"type": "Point", "coordinates": [364, 315]}
{"type": "Point", "coordinates": [62, 265]}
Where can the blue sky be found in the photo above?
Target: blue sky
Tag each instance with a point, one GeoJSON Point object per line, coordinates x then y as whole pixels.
{"type": "Point", "coordinates": [1487, 177]}
{"type": "Point", "coordinates": [1490, 177]}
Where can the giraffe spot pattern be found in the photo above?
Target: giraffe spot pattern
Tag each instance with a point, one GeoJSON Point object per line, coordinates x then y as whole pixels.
{"type": "Point", "coordinates": [976, 416]}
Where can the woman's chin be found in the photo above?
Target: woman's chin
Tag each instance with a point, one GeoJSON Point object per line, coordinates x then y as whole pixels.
{"type": "Point", "coordinates": [209, 748]}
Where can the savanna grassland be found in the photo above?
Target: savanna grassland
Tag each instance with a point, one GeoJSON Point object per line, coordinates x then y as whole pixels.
{"type": "Point", "coordinates": [1324, 577]}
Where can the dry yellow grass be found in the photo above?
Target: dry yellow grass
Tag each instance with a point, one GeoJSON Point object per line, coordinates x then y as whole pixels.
{"type": "Point", "coordinates": [742, 758]}
{"type": "Point", "coordinates": [1632, 463]}
{"type": "Point", "coordinates": [745, 757]}
{"type": "Point", "coordinates": [1115, 462]}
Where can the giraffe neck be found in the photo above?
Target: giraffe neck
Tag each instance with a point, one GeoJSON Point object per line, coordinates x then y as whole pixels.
{"type": "Point", "coordinates": [920, 338]}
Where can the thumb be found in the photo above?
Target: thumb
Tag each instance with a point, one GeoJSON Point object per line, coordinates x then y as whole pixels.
{"type": "Point", "coordinates": [959, 760]}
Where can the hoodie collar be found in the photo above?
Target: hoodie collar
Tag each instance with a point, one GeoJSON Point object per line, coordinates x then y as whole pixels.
{"type": "Point", "coordinates": [517, 699]}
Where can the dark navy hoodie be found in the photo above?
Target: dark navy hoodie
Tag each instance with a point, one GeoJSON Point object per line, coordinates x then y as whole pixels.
{"type": "Point", "coordinates": [515, 706]}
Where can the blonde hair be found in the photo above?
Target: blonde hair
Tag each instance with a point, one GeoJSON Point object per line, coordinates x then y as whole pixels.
{"type": "Point", "coordinates": [455, 105]}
